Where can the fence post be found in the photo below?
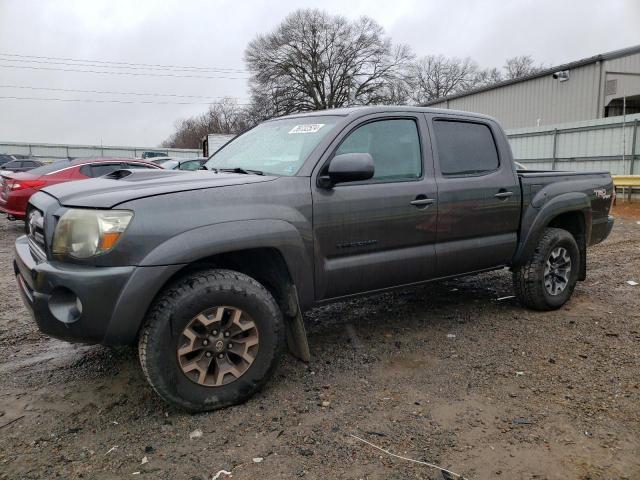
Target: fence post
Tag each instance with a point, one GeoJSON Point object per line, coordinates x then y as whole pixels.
{"type": "Point", "coordinates": [555, 144]}
{"type": "Point", "coordinates": [633, 147]}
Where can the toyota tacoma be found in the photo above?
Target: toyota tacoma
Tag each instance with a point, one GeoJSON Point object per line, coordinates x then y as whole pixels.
{"type": "Point", "coordinates": [209, 271]}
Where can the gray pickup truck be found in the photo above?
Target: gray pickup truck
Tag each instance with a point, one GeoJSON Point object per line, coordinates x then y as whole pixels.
{"type": "Point", "coordinates": [209, 271]}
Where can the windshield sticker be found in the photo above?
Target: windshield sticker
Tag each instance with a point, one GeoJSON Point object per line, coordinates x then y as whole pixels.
{"type": "Point", "coordinates": [309, 128]}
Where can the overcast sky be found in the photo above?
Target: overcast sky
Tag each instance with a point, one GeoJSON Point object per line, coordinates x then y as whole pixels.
{"type": "Point", "coordinates": [213, 35]}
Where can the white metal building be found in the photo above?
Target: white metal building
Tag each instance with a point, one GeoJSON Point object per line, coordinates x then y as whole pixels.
{"type": "Point", "coordinates": [213, 141]}
{"type": "Point", "coordinates": [587, 89]}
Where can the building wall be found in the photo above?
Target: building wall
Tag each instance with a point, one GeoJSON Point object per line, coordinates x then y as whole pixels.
{"type": "Point", "coordinates": [626, 71]}
{"type": "Point", "coordinates": [217, 140]}
{"type": "Point", "coordinates": [545, 100]}
{"type": "Point", "coordinates": [542, 100]}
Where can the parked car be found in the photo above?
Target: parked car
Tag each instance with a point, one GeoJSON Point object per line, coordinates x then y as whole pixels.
{"type": "Point", "coordinates": [20, 165]}
{"type": "Point", "coordinates": [207, 270]}
{"type": "Point", "coordinates": [16, 188]}
{"type": "Point", "coordinates": [182, 163]}
{"type": "Point", "coordinates": [5, 157]}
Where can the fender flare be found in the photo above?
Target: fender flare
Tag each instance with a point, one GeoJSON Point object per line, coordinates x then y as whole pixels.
{"type": "Point", "coordinates": [203, 242]}
{"type": "Point", "coordinates": [535, 220]}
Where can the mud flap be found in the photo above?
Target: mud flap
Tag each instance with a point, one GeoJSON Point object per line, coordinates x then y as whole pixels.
{"type": "Point", "coordinates": [296, 333]}
{"type": "Point", "coordinates": [582, 246]}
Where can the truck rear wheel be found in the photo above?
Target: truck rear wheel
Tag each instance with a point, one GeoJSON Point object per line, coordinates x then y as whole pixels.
{"type": "Point", "coordinates": [211, 340]}
{"type": "Point", "coordinates": [547, 280]}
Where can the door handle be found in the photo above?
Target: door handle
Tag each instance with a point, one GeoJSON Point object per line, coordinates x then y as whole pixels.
{"type": "Point", "coordinates": [422, 202]}
{"type": "Point", "coordinates": [503, 195]}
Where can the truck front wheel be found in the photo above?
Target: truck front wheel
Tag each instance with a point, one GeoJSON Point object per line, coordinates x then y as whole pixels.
{"type": "Point", "coordinates": [547, 280]}
{"type": "Point", "coordinates": [211, 340]}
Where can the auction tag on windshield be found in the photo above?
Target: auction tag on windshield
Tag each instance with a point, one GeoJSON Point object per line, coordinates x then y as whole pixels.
{"type": "Point", "coordinates": [309, 128]}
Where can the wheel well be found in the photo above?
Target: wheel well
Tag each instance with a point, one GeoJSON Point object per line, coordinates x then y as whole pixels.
{"type": "Point", "coordinates": [266, 265]}
{"type": "Point", "coordinates": [574, 223]}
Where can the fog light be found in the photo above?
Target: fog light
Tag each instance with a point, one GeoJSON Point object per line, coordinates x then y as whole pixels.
{"type": "Point", "coordinates": [64, 305]}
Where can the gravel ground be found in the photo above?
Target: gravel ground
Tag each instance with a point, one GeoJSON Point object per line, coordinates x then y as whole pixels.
{"type": "Point", "coordinates": [448, 373]}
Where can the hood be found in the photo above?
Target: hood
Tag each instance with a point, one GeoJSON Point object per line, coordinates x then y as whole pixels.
{"type": "Point", "coordinates": [126, 185]}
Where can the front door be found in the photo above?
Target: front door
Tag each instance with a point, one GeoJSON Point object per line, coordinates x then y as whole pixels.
{"type": "Point", "coordinates": [378, 233]}
{"type": "Point", "coordinates": [478, 196]}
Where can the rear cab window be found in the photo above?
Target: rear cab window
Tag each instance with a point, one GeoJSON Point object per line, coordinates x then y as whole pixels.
{"type": "Point", "coordinates": [465, 148]}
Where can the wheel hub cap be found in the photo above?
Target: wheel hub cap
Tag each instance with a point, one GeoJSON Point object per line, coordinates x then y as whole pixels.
{"type": "Point", "coordinates": [557, 271]}
{"type": "Point", "coordinates": [218, 346]}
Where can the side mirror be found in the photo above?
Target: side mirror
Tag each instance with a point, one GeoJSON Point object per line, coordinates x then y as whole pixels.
{"type": "Point", "coordinates": [348, 167]}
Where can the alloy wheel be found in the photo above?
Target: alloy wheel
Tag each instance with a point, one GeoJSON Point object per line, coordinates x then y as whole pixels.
{"type": "Point", "coordinates": [557, 271]}
{"type": "Point", "coordinates": [218, 346]}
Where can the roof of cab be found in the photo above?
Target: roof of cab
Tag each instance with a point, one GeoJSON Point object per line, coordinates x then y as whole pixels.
{"type": "Point", "coordinates": [367, 110]}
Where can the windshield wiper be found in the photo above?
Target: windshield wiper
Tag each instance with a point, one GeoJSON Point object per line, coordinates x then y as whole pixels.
{"type": "Point", "coordinates": [246, 171]}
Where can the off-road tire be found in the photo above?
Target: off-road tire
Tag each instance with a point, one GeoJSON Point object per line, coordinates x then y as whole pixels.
{"type": "Point", "coordinates": [528, 279]}
{"type": "Point", "coordinates": [176, 306]}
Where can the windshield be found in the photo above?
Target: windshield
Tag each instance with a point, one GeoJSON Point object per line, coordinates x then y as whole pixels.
{"type": "Point", "coordinates": [277, 147]}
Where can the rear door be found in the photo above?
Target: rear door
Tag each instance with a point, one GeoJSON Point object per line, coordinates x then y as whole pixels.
{"type": "Point", "coordinates": [478, 195]}
{"type": "Point", "coordinates": [381, 232]}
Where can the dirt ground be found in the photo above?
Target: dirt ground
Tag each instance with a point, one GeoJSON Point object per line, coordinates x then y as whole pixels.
{"type": "Point", "coordinates": [447, 373]}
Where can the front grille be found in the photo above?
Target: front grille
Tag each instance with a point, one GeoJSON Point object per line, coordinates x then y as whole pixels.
{"type": "Point", "coordinates": [35, 233]}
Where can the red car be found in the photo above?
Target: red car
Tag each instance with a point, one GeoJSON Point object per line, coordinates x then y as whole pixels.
{"type": "Point", "coordinates": [16, 188]}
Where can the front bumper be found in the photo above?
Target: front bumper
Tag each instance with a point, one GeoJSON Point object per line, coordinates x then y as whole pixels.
{"type": "Point", "coordinates": [17, 214]}
{"type": "Point", "coordinates": [87, 304]}
{"type": "Point", "coordinates": [15, 204]}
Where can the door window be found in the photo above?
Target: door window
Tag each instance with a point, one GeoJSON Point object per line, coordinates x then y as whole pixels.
{"type": "Point", "coordinates": [394, 146]}
{"type": "Point", "coordinates": [465, 148]}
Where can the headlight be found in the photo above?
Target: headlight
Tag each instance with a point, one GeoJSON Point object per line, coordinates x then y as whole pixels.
{"type": "Point", "coordinates": [85, 233]}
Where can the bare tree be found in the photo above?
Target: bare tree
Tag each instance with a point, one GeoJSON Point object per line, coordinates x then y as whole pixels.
{"type": "Point", "coordinates": [520, 66]}
{"type": "Point", "coordinates": [436, 76]}
{"type": "Point", "coordinates": [225, 116]}
{"type": "Point", "coordinates": [314, 61]}
{"type": "Point", "coordinates": [486, 77]}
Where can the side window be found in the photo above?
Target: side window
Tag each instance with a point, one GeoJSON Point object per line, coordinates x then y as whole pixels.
{"type": "Point", "coordinates": [86, 170]}
{"type": "Point", "coordinates": [394, 146]}
{"type": "Point", "coordinates": [465, 148]}
{"type": "Point", "coordinates": [100, 169]}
